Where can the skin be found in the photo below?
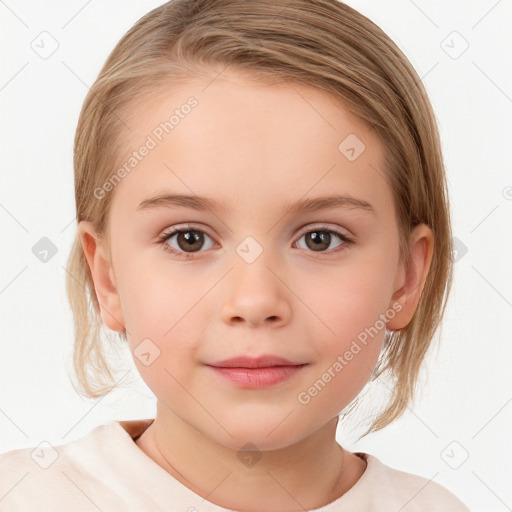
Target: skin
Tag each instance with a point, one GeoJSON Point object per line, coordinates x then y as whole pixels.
{"type": "Point", "coordinates": [257, 148]}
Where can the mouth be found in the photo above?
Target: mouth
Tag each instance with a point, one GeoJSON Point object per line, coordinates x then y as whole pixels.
{"type": "Point", "coordinates": [265, 361]}
{"type": "Point", "coordinates": [258, 372]}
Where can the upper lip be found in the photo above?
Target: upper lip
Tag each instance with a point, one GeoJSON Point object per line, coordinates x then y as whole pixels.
{"type": "Point", "coordinates": [265, 361]}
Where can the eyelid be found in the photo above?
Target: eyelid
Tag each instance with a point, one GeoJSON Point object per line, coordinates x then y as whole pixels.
{"type": "Point", "coordinates": [183, 227]}
{"type": "Point", "coordinates": [306, 228]}
{"type": "Point", "coordinates": [346, 239]}
{"type": "Point", "coordinates": [312, 226]}
{"type": "Point", "coordinates": [167, 234]}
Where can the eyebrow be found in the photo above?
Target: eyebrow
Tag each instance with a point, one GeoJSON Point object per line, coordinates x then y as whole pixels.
{"type": "Point", "coordinates": [205, 203]}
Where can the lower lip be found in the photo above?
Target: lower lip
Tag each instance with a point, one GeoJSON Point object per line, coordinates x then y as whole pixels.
{"type": "Point", "coordinates": [255, 378]}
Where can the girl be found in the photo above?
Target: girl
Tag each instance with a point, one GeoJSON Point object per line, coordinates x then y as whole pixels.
{"type": "Point", "coordinates": [263, 219]}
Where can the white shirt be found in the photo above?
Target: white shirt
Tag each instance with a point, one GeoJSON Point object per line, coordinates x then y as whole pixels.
{"type": "Point", "coordinates": [106, 471]}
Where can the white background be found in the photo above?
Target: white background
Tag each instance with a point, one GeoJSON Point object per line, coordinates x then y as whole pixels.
{"type": "Point", "coordinates": [467, 392]}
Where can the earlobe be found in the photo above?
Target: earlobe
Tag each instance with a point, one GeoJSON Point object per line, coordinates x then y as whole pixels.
{"type": "Point", "coordinates": [412, 280]}
{"type": "Point", "coordinates": [102, 275]}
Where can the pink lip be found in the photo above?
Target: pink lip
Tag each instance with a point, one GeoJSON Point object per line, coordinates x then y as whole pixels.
{"type": "Point", "coordinates": [254, 362]}
{"type": "Point", "coordinates": [259, 372]}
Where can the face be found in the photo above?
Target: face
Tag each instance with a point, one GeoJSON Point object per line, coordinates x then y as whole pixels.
{"type": "Point", "coordinates": [250, 275]}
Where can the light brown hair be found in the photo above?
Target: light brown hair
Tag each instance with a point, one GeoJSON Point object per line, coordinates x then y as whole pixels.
{"type": "Point", "coordinates": [320, 43]}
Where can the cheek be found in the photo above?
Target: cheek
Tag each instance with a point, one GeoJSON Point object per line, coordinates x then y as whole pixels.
{"type": "Point", "coordinates": [345, 360]}
{"type": "Point", "coordinates": [164, 315]}
{"type": "Point", "coordinates": [163, 339]}
{"type": "Point", "coordinates": [158, 300]}
{"type": "Point", "coordinates": [352, 309]}
{"type": "Point", "coordinates": [351, 302]}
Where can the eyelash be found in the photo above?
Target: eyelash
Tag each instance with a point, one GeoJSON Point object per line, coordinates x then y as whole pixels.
{"type": "Point", "coordinates": [166, 236]}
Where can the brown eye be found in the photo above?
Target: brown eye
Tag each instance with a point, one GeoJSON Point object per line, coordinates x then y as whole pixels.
{"type": "Point", "coordinates": [190, 240]}
{"type": "Point", "coordinates": [320, 240]}
{"type": "Point", "coordinates": [184, 242]}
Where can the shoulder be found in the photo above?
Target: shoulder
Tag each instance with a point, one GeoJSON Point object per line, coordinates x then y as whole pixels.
{"type": "Point", "coordinates": [410, 492]}
{"type": "Point", "coordinates": [28, 475]}
{"type": "Point", "coordinates": [57, 477]}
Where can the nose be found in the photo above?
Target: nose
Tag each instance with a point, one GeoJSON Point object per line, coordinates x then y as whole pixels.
{"type": "Point", "coordinates": [255, 294]}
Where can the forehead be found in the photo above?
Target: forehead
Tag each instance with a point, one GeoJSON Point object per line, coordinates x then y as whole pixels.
{"type": "Point", "coordinates": [236, 139]}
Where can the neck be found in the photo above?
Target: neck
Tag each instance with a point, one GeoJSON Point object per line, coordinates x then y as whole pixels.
{"type": "Point", "coordinates": [304, 476]}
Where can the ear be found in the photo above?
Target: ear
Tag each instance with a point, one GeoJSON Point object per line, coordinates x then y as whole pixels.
{"type": "Point", "coordinates": [410, 281]}
{"type": "Point", "coordinates": [103, 277]}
